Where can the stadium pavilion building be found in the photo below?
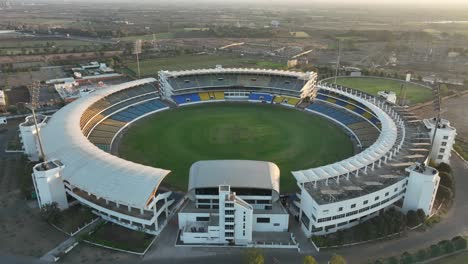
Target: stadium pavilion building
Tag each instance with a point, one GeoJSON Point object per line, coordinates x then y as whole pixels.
{"type": "Point", "coordinates": [389, 167]}
{"type": "Point", "coordinates": [229, 200]}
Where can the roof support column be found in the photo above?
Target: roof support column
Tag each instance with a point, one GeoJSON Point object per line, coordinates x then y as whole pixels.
{"type": "Point", "coordinates": [365, 170]}
{"type": "Point", "coordinates": [347, 176]}
{"type": "Point", "coordinates": [129, 208]}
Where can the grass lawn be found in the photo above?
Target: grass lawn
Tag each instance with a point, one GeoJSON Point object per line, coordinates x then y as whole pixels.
{"type": "Point", "coordinates": [460, 258]}
{"type": "Point", "coordinates": [150, 67]}
{"type": "Point", "coordinates": [414, 93]}
{"type": "Point", "coordinates": [175, 139]}
{"type": "Point", "coordinates": [116, 236]}
{"type": "Point", "coordinates": [74, 218]}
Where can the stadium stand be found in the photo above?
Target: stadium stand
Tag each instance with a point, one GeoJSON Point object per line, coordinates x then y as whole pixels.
{"type": "Point", "coordinates": [104, 132]}
{"type": "Point", "coordinates": [261, 97]}
{"type": "Point", "coordinates": [219, 95]}
{"type": "Point", "coordinates": [186, 98]}
{"type": "Point", "coordinates": [204, 96]}
{"type": "Point", "coordinates": [113, 99]}
{"type": "Point", "coordinates": [364, 131]}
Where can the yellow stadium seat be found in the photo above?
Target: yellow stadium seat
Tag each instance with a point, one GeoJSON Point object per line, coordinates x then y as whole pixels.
{"type": "Point", "coordinates": [278, 99]}
{"type": "Point", "coordinates": [204, 96]}
{"type": "Point", "coordinates": [350, 107]}
{"type": "Point", "coordinates": [292, 100]}
{"type": "Point", "coordinates": [219, 95]}
{"type": "Point", "coordinates": [331, 100]}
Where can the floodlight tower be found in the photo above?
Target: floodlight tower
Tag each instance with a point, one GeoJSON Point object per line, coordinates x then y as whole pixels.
{"type": "Point", "coordinates": [338, 60]}
{"type": "Point", "coordinates": [137, 51]}
{"type": "Point", "coordinates": [35, 90]}
{"type": "Point", "coordinates": [437, 108]}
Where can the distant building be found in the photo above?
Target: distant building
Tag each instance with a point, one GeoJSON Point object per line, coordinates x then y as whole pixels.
{"type": "Point", "coordinates": [389, 96]}
{"type": "Point", "coordinates": [2, 100]}
{"type": "Point", "coordinates": [274, 23]}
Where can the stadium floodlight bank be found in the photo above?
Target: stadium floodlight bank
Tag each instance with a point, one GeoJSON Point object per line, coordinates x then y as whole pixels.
{"type": "Point", "coordinates": [389, 167]}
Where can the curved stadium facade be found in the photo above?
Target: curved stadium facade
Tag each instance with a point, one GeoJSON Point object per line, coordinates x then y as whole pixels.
{"type": "Point", "coordinates": [387, 169]}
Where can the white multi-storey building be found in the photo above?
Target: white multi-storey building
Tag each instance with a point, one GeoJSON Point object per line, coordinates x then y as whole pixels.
{"type": "Point", "coordinates": [423, 182]}
{"type": "Point", "coordinates": [48, 184]}
{"type": "Point", "coordinates": [29, 136]}
{"type": "Point", "coordinates": [385, 173]}
{"type": "Point", "coordinates": [231, 200]}
{"type": "Point", "coordinates": [443, 140]}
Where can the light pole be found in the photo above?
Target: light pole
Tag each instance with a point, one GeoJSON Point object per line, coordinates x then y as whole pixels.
{"type": "Point", "coordinates": [35, 90]}
{"type": "Point", "coordinates": [137, 50]}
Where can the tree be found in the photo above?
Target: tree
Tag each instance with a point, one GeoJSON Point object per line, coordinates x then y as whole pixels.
{"type": "Point", "coordinates": [392, 260]}
{"type": "Point", "coordinates": [255, 256]}
{"type": "Point", "coordinates": [421, 215]}
{"type": "Point", "coordinates": [412, 218]}
{"type": "Point", "coordinates": [337, 259]}
{"type": "Point", "coordinates": [406, 258]}
{"type": "Point", "coordinates": [421, 255]}
{"type": "Point", "coordinates": [50, 212]}
{"type": "Point", "coordinates": [434, 251]}
{"type": "Point", "coordinates": [444, 167]}
{"type": "Point", "coordinates": [309, 260]}
{"type": "Point", "coordinates": [459, 242]}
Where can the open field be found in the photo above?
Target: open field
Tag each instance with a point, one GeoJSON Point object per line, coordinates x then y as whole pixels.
{"type": "Point", "coordinates": [177, 138]}
{"type": "Point", "coordinates": [414, 93]}
{"type": "Point", "coordinates": [158, 36]}
{"type": "Point", "coordinates": [116, 236]}
{"type": "Point", "coordinates": [149, 67]}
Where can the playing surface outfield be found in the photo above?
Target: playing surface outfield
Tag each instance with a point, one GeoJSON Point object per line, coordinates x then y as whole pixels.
{"type": "Point", "coordinates": [292, 139]}
{"type": "Point", "coordinates": [414, 93]}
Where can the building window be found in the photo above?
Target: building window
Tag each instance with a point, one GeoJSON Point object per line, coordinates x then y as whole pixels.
{"type": "Point", "coordinates": [443, 144]}
{"type": "Point", "coordinates": [387, 193]}
{"type": "Point", "coordinates": [203, 218]}
{"type": "Point", "coordinates": [353, 205]}
{"type": "Point", "coordinates": [229, 227]}
{"type": "Point", "coordinates": [204, 200]}
{"type": "Point", "coordinates": [276, 224]}
{"type": "Point", "coordinates": [263, 220]}
{"type": "Point", "coordinates": [229, 212]}
{"type": "Point", "coordinates": [305, 220]}
{"type": "Point", "coordinates": [445, 137]}
{"type": "Point", "coordinates": [229, 234]}
{"type": "Point", "coordinates": [377, 198]}
{"type": "Point", "coordinates": [204, 206]}
{"type": "Point", "coordinates": [229, 205]}
{"type": "Point", "coordinates": [365, 202]}
{"type": "Point", "coordinates": [440, 156]}
{"type": "Point", "coordinates": [340, 209]}
{"type": "Point", "coordinates": [395, 190]}
{"type": "Point", "coordinates": [442, 150]}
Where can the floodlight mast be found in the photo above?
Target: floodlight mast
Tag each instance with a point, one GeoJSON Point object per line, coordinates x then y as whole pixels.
{"type": "Point", "coordinates": [437, 107]}
{"type": "Point", "coordinates": [35, 90]}
{"type": "Point", "coordinates": [137, 51]}
{"type": "Point", "coordinates": [338, 60]}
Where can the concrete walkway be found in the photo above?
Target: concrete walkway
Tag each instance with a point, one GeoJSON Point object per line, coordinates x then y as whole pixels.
{"type": "Point", "coordinates": [50, 256]}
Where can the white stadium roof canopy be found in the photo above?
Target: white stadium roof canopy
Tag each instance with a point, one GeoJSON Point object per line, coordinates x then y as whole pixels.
{"type": "Point", "coordinates": [383, 144]}
{"type": "Point", "coordinates": [92, 169]}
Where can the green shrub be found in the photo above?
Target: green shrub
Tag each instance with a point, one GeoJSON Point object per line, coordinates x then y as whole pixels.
{"type": "Point", "coordinates": [459, 242]}
{"type": "Point", "coordinates": [406, 258]}
{"type": "Point", "coordinates": [421, 255]}
{"type": "Point", "coordinates": [435, 251]}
